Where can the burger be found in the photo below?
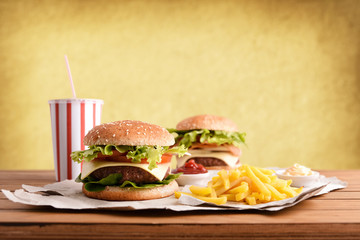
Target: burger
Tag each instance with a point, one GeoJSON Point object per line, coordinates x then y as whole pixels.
{"type": "Point", "coordinates": [127, 160]}
{"type": "Point", "coordinates": [213, 141]}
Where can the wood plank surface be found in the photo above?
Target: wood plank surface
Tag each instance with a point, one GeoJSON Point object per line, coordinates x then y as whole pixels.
{"type": "Point", "coordinates": [170, 231]}
{"type": "Point", "coordinates": [335, 215]}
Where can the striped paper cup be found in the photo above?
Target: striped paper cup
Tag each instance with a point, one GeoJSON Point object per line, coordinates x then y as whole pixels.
{"type": "Point", "coordinates": [71, 119]}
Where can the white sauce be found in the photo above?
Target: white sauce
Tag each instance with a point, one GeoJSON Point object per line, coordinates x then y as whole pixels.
{"type": "Point", "coordinates": [298, 170]}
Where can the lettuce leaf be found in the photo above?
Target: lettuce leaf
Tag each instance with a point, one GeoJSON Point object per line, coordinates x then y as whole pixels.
{"type": "Point", "coordinates": [92, 152]}
{"type": "Point", "coordinates": [187, 138]}
{"type": "Point", "coordinates": [93, 185]}
{"type": "Point", "coordinates": [135, 153]}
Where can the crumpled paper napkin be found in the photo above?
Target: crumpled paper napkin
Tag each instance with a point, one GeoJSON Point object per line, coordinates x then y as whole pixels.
{"type": "Point", "coordinates": [67, 195]}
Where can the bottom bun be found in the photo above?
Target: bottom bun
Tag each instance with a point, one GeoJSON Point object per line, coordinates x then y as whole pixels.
{"type": "Point", "coordinates": [133, 194]}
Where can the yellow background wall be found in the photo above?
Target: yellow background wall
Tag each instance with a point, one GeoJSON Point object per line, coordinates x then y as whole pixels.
{"type": "Point", "coordinates": [287, 72]}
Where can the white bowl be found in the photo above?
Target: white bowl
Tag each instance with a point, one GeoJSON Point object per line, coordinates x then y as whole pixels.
{"type": "Point", "coordinates": [199, 179]}
{"type": "Point", "coordinates": [299, 181]}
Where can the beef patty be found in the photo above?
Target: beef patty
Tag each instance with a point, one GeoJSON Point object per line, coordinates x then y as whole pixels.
{"type": "Point", "coordinates": [133, 174]}
{"type": "Point", "coordinates": [209, 161]}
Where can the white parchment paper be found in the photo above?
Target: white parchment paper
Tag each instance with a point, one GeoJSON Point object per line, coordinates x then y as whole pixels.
{"type": "Point", "coordinates": [67, 195]}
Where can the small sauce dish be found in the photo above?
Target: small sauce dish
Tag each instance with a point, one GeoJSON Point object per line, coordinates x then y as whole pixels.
{"type": "Point", "coordinates": [299, 180]}
{"type": "Point", "coordinates": [200, 179]}
{"type": "Point", "coordinates": [193, 174]}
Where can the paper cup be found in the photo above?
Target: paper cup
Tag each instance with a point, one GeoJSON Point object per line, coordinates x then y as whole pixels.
{"type": "Point", "coordinates": [71, 119]}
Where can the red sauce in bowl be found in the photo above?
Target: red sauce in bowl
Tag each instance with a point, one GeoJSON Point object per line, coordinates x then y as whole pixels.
{"type": "Point", "coordinates": [191, 167]}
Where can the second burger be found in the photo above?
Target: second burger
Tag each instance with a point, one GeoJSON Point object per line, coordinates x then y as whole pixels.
{"type": "Point", "coordinates": [213, 141]}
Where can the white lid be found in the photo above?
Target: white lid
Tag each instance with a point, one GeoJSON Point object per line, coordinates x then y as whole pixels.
{"type": "Point", "coordinates": [68, 100]}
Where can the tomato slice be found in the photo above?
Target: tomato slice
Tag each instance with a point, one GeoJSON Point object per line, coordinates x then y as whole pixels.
{"type": "Point", "coordinates": [165, 158]}
{"type": "Point", "coordinates": [121, 157]}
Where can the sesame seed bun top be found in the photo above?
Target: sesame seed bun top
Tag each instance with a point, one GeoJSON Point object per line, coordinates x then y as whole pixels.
{"type": "Point", "coordinates": [130, 133]}
{"type": "Point", "coordinates": [209, 122]}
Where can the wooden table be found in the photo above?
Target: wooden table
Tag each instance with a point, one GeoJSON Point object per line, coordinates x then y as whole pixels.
{"type": "Point", "coordinates": [330, 216]}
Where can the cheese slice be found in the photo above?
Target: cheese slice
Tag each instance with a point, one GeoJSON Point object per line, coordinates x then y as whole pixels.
{"type": "Point", "coordinates": [89, 167]}
{"type": "Point", "coordinates": [227, 157]}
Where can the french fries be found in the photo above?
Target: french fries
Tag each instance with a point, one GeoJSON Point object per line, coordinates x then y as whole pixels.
{"type": "Point", "coordinates": [247, 184]}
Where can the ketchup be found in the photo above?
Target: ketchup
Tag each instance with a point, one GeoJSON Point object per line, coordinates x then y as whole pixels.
{"type": "Point", "coordinates": [191, 167]}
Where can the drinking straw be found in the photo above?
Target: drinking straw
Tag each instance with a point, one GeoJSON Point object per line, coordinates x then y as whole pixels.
{"type": "Point", "coordinates": [71, 80]}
